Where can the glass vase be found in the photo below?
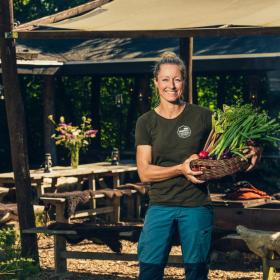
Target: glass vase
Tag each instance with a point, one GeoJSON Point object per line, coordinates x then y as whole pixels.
{"type": "Point", "coordinates": [74, 157]}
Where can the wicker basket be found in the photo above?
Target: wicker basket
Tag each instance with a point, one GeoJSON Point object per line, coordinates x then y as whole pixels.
{"type": "Point", "coordinates": [215, 169]}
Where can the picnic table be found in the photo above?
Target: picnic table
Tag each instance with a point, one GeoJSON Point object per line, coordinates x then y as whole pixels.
{"type": "Point", "coordinates": [89, 171]}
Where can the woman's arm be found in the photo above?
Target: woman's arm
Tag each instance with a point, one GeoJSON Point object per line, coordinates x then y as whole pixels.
{"type": "Point", "coordinates": [149, 172]}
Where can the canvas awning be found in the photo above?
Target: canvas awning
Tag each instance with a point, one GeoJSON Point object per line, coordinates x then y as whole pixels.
{"type": "Point", "coordinates": [125, 15]}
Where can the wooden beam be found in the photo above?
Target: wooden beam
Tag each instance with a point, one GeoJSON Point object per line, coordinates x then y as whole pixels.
{"type": "Point", "coordinates": [17, 131]}
{"type": "Point", "coordinates": [95, 108]}
{"type": "Point", "coordinates": [195, 89]}
{"type": "Point", "coordinates": [173, 259]}
{"type": "Point", "coordinates": [174, 33]}
{"type": "Point", "coordinates": [49, 109]}
{"type": "Point", "coordinates": [63, 15]}
{"type": "Point", "coordinates": [186, 53]}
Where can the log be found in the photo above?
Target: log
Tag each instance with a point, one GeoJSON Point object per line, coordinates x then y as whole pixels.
{"type": "Point", "coordinates": [17, 130]}
{"type": "Point", "coordinates": [260, 242]}
{"type": "Point", "coordinates": [63, 15]}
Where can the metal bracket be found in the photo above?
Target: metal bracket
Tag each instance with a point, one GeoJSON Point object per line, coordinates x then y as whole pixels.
{"type": "Point", "coordinates": [11, 35]}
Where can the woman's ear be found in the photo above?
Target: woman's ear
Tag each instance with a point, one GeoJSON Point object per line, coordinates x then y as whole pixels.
{"type": "Point", "coordinates": [156, 82]}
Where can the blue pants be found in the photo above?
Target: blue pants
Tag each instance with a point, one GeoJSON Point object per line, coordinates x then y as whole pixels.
{"type": "Point", "coordinates": [194, 228]}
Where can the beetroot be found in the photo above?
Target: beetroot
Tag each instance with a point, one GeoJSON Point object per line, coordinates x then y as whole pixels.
{"type": "Point", "coordinates": [203, 154]}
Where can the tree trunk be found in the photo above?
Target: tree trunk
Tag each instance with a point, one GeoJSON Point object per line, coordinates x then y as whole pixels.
{"type": "Point", "coordinates": [16, 125]}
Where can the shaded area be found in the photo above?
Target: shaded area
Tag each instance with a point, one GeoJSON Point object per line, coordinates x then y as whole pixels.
{"type": "Point", "coordinates": [110, 49]}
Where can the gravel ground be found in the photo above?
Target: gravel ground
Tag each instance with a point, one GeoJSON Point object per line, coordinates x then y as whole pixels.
{"type": "Point", "coordinates": [227, 266]}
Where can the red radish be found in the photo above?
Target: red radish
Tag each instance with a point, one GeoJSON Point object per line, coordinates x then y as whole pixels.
{"type": "Point", "coordinates": [195, 168]}
{"type": "Point", "coordinates": [203, 154]}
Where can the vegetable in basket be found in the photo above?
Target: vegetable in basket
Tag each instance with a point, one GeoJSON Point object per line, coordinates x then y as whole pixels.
{"type": "Point", "coordinates": [237, 127]}
{"type": "Point", "coordinates": [234, 130]}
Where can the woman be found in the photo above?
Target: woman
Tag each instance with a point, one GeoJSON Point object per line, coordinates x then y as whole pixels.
{"type": "Point", "coordinates": [167, 139]}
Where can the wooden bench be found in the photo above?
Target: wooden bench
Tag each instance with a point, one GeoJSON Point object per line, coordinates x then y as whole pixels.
{"type": "Point", "coordinates": [112, 208]}
{"type": "Point", "coordinates": [59, 204]}
{"type": "Point", "coordinates": [61, 254]}
{"type": "Point", "coordinates": [3, 192]}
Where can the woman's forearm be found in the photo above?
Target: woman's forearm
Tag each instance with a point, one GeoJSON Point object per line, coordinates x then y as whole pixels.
{"type": "Point", "coordinates": [155, 173]}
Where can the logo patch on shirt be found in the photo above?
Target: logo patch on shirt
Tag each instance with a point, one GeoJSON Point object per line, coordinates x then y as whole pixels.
{"type": "Point", "coordinates": [184, 131]}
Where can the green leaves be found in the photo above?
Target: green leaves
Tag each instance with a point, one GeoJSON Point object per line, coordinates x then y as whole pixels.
{"type": "Point", "coordinates": [236, 125]}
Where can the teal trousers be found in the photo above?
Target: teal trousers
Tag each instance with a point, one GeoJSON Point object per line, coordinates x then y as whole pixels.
{"type": "Point", "coordinates": [194, 227]}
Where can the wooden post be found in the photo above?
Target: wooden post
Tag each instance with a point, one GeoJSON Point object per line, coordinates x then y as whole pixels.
{"type": "Point", "coordinates": [60, 262]}
{"type": "Point", "coordinates": [17, 132]}
{"type": "Point", "coordinates": [49, 109]}
{"type": "Point", "coordinates": [195, 94]}
{"type": "Point", "coordinates": [268, 270]}
{"type": "Point", "coordinates": [95, 107]}
{"type": "Point", "coordinates": [186, 53]}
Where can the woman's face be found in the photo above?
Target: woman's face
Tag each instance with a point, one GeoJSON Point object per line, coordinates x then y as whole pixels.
{"type": "Point", "coordinates": [169, 82]}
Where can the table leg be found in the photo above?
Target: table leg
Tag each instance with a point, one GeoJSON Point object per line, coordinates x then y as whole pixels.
{"type": "Point", "coordinates": [92, 186]}
{"type": "Point", "coordinates": [54, 182]}
{"type": "Point", "coordinates": [40, 188]}
{"type": "Point", "coordinates": [115, 216]}
{"type": "Point", "coordinates": [116, 180]}
{"type": "Point", "coordinates": [59, 247]}
{"type": "Point", "coordinates": [138, 205]}
{"type": "Point", "coordinates": [59, 213]}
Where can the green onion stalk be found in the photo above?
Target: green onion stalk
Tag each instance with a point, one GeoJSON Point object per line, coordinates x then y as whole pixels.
{"type": "Point", "coordinates": [236, 127]}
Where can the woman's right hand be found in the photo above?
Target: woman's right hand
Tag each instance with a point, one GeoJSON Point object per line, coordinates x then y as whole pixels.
{"type": "Point", "coordinates": [189, 173]}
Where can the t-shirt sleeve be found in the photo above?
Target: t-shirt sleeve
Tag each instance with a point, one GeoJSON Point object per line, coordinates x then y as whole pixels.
{"type": "Point", "coordinates": [142, 135]}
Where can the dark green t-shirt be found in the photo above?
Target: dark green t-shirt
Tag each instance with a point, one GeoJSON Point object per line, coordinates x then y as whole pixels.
{"type": "Point", "coordinates": [173, 141]}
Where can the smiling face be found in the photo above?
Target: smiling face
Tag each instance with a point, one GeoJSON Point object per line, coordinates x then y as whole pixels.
{"type": "Point", "coordinates": [170, 83]}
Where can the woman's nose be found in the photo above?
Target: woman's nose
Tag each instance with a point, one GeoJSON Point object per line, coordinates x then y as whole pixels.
{"type": "Point", "coordinates": [172, 83]}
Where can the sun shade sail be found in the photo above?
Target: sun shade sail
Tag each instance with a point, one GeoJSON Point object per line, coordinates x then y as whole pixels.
{"type": "Point", "coordinates": [175, 14]}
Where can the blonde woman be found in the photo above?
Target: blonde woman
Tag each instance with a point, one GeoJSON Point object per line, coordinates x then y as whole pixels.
{"type": "Point", "coordinates": [167, 139]}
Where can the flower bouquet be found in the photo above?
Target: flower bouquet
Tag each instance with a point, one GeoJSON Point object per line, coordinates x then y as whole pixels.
{"type": "Point", "coordinates": [234, 130]}
{"type": "Point", "coordinates": [73, 137]}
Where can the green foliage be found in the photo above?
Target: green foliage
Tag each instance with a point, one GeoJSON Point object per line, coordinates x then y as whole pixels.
{"type": "Point", "coordinates": [155, 96]}
{"type": "Point", "coordinates": [114, 118]}
{"type": "Point", "coordinates": [27, 10]}
{"type": "Point", "coordinates": [233, 90]}
{"type": "Point", "coordinates": [207, 92]}
{"type": "Point", "coordinates": [32, 96]}
{"type": "Point", "coordinates": [12, 265]}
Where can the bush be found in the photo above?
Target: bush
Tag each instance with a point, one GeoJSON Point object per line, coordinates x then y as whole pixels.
{"type": "Point", "coordinates": [12, 265]}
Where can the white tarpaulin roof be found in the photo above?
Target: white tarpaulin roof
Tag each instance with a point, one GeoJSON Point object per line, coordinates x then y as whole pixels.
{"type": "Point", "coordinates": [175, 14]}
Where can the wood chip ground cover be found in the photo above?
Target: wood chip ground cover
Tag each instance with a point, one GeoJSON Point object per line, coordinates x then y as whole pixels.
{"type": "Point", "coordinates": [227, 266]}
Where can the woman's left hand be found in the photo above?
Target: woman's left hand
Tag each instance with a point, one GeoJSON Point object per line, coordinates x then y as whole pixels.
{"type": "Point", "coordinates": [254, 155]}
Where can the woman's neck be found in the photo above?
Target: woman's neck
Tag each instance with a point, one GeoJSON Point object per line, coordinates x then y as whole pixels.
{"type": "Point", "coordinates": [170, 110]}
